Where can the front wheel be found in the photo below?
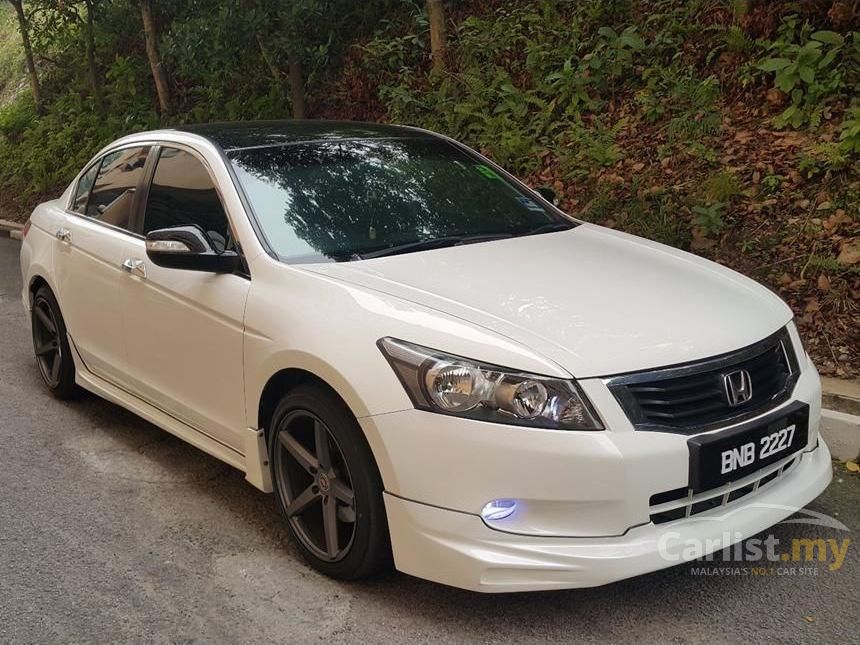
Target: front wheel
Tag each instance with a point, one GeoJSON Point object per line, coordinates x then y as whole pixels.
{"type": "Point", "coordinates": [328, 484]}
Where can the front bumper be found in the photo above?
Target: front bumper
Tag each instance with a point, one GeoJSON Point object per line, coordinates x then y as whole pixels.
{"type": "Point", "coordinates": [458, 549]}
{"type": "Point", "coordinates": [572, 484]}
{"type": "Point", "coordinates": [584, 514]}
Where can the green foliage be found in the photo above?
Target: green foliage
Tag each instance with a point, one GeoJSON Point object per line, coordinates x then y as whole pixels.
{"type": "Point", "coordinates": [740, 8]}
{"type": "Point", "coordinates": [690, 102]}
{"type": "Point", "coordinates": [771, 184]}
{"type": "Point", "coordinates": [529, 77]}
{"type": "Point", "coordinates": [213, 52]}
{"type": "Point", "coordinates": [16, 116]}
{"type": "Point", "coordinates": [46, 152]}
{"type": "Point", "coordinates": [721, 187]}
{"type": "Point", "coordinates": [849, 132]}
{"type": "Point", "coordinates": [810, 67]}
{"type": "Point", "coordinates": [716, 192]}
{"type": "Point", "coordinates": [11, 54]}
{"type": "Point", "coordinates": [710, 218]}
{"type": "Point", "coordinates": [654, 216]}
{"type": "Point", "coordinates": [588, 148]}
{"type": "Point", "coordinates": [553, 90]}
{"type": "Point", "coordinates": [398, 53]}
{"type": "Point", "coordinates": [824, 157]}
{"type": "Point", "coordinates": [613, 55]}
{"type": "Point", "coordinates": [230, 59]}
{"type": "Point", "coordinates": [736, 41]}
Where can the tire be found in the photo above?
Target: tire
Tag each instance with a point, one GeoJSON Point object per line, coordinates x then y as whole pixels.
{"type": "Point", "coordinates": [314, 490]}
{"type": "Point", "coordinates": [51, 345]}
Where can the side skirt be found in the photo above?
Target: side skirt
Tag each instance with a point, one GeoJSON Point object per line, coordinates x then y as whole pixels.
{"type": "Point", "coordinates": [254, 463]}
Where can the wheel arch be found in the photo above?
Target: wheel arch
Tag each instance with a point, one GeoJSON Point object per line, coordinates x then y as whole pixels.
{"type": "Point", "coordinates": [284, 380]}
{"type": "Point", "coordinates": [37, 281]}
{"type": "Point", "coordinates": [302, 369]}
{"type": "Point", "coordinates": [279, 384]}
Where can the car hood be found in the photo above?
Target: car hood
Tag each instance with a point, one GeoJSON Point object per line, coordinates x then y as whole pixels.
{"type": "Point", "coordinates": [595, 301]}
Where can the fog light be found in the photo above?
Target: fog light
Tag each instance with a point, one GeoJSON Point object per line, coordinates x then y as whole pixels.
{"type": "Point", "coordinates": [498, 509]}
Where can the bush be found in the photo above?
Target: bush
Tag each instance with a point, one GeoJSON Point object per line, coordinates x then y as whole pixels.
{"type": "Point", "coordinates": [812, 68]}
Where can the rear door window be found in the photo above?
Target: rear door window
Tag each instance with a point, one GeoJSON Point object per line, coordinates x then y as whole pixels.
{"type": "Point", "coordinates": [113, 192]}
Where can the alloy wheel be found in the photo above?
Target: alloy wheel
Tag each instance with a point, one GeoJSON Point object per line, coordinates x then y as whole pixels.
{"type": "Point", "coordinates": [315, 485]}
{"type": "Point", "coordinates": [46, 342]}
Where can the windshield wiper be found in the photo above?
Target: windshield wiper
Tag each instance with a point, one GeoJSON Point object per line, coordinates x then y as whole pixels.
{"type": "Point", "coordinates": [552, 227]}
{"type": "Point", "coordinates": [434, 243]}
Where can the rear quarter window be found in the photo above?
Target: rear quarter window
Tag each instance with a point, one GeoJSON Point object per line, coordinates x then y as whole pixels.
{"type": "Point", "coordinates": [82, 190]}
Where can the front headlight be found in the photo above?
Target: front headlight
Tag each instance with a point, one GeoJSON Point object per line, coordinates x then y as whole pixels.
{"type": "Point", "coordinates": [440, 382]}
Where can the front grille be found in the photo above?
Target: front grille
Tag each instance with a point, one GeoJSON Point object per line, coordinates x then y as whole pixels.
{"type": "Point", "coordinates": [692, 398]}
{"type": "Point", "coordinates": [675, 504]}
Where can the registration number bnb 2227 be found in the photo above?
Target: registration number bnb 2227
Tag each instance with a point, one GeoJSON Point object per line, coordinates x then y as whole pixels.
{"type": "Point", "coordinates": [745, 454]}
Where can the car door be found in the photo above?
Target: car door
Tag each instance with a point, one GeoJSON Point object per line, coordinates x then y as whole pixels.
{"type": "Point", "coordinates": [184, 328]}
{"type": "Point", "coordinates": [90, 240]}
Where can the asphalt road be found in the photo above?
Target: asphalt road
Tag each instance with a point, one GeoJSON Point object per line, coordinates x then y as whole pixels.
{"type": "Point", "coordinates": [112, 530]}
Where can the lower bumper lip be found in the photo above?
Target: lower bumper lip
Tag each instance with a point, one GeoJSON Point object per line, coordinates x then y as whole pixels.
{"type": "Point", "coordinates": [458, 549]}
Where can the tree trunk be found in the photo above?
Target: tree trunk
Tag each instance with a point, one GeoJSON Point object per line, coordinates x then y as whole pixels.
{"type": "Point", "coordinates": [270, 62]}
{"type": "Point", "coordinates": [436, 15]}
{"type": "Point", "coordinates": [28, 54]}
{"type": "Point", "coordinates": [297, 87]}
{"type": "Point", "coordinates": [158, 74]}
{"type": "Point", "coordinates": [92, 70]}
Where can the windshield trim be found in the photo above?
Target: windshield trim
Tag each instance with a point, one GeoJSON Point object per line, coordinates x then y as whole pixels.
{"type": "Point", "coordinates": [306, 142]}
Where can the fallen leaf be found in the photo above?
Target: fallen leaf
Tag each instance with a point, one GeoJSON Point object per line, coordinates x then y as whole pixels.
{"type": "Point", "coordinates": [700, 242]}
{"type": "Point", "coordinates": [809, 619]}
{"type": "Point", "coordinates": [776, 97]}
{"type": "Point", "coordinates": [852, 467]}
{"type": "Point", "coordinates": [790, 139]}
{"type": "Point", "coordinates": [824, 283]}
{"type": "Point", "coordinates": [849, 253]}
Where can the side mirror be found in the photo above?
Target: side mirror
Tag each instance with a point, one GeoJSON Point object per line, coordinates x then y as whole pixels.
{"type": "Point", "coordinates": [548, 194]}
{"type": "Point", "coordinates": [188, 247]}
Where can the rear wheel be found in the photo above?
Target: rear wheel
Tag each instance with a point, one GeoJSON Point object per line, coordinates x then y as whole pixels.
{"type": "Point", "coordinates": [328, 485]}
{"type": "Point", "coordinates": [51, 345]}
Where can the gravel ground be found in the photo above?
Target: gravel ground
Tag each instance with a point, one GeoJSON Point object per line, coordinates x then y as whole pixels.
{"type": "Point", "coordinates": [114, 531]}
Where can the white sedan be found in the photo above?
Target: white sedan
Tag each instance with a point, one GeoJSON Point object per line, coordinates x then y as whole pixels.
{"type": "Point", "coordinates": [424, 359]}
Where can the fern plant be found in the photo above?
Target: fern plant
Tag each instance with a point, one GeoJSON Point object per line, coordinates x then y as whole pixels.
{"type": "Point", "coordinates": [849, 132]}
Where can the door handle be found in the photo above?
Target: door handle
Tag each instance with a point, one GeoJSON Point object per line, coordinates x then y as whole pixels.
{"type": "Point", "coordinates": [63, 234]}
{"type": "Point", "coordinates": [134, 266]}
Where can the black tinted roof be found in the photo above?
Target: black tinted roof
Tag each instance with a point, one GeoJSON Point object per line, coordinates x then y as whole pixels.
{"type": "Point", "coordinates": [249, 134]}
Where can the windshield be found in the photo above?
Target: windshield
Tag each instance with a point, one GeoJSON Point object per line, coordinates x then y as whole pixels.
{"type": "Point", "coordinates": [341, 200]}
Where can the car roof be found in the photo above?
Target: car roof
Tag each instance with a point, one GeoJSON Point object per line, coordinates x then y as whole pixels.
{"type": "Point", "coordinates": [253, 134]}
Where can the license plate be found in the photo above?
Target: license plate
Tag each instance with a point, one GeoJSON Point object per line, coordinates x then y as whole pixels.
{"type": "Point", "coordinates": [718, 458]}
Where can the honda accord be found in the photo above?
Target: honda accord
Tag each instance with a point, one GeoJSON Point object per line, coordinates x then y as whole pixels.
{"type": "Point", "coordinates": [426, 361]}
